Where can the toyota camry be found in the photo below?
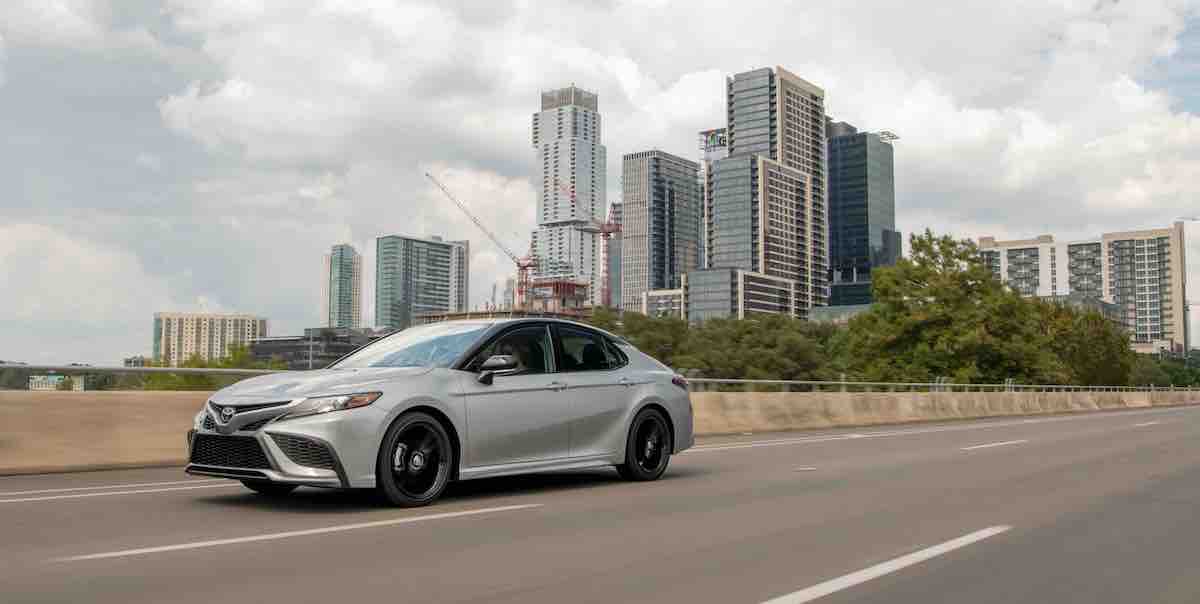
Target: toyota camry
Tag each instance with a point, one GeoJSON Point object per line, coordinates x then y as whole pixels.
{"type": "Point", "coordinates": [449, 401]}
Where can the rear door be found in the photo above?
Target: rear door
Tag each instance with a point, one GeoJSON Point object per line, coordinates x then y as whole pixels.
{"type": "Point", "coordinates": [591, 367]}
{"type": "Point", "coordinates": [522, 417]}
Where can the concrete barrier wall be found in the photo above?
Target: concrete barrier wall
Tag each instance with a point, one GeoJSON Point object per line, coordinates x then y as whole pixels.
{"type": "Point", "coordinates": [60, 431]}
{"type": "Point", "coordinates": [57, 431]}
{"type": "Point", "coordinates": [735, 412]}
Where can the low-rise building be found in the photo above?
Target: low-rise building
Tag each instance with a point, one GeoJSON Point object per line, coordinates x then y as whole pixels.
{"type": "Point", "coordinates": [137, 361]}
{"type": "Point", "coordinates": [838, 315]}
{"type": "Point", "coordinates": [719, 293]}
{"type": "Point", "coordinates": [316, 349]}
{"type": "Point", "coordinates": [77, 383]}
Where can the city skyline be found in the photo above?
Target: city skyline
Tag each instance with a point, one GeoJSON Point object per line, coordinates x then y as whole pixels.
{"type": "Point", "coordinates": [215, 203]}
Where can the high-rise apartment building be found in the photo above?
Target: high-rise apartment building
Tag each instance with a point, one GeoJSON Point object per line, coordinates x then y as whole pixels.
{"type": "Point", "coordinates": [341, 288]}
{"type": "Point", "coordinates": [1142, 272]}
{"type": "Point", "coordinates": [862, 211]}
{"type": "Point", "coordinates": [765, 204]}
{"type": "Point", "coordinates": [660, 224]}
{"type": "Point", "coordinates": [180, 336]}
{"type": "Point", "coordinates": [571, 199]}
{"type": "Point", "coordinates": [714, 145]}
{"type": "Point", "coordinates": [612, 257]}
{"type": "Point", "coordinates": [416, 276]}
{"type": "Point", "coordinates": [509, 301]}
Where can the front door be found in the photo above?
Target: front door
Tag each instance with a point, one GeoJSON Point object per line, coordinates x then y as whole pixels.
{"type": "Point", "coordinates": [522, 416]}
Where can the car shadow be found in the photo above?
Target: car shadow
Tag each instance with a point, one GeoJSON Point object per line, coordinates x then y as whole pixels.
{"type": "Point", "coordinates": [316, 500]}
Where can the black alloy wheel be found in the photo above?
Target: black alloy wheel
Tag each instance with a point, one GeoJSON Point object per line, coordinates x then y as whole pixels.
{"type": "Point", "coordinates": [270, 489]}
{"type": "Point", "coordinates": [648, 450]}
{"type": "Point", "coordinates": [414, 461]}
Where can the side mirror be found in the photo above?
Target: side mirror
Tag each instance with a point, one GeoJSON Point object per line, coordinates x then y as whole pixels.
{"type": "Point", "coordinates": [497, 364]}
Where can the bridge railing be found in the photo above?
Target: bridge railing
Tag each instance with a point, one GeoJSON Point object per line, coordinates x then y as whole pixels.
{"type": "Point", "coordinates": [699, 384]}
{"type": "Point", "coordinates": [16, 377]}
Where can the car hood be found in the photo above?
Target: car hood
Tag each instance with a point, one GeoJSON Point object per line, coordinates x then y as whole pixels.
{"type": "Point", "coordinates": [297, 384]}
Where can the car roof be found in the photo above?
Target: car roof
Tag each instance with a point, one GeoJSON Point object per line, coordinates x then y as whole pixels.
{"type": "Point", "coordinates": [500, 322]}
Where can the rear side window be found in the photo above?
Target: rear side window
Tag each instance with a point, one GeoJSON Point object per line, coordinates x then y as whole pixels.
{"type": "Point", "coordinates": [587, 351]}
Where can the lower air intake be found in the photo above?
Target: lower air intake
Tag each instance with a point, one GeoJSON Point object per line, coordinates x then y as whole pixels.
{"type": "Point", "coordinates": [304, 451]}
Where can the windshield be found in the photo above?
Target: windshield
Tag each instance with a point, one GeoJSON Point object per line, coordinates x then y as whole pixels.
{"type": "Point", "coordinates": [432, 345]}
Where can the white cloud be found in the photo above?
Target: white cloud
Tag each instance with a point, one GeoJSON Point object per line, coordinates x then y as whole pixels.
{"type": "Point", "coordinates": [316, 120]}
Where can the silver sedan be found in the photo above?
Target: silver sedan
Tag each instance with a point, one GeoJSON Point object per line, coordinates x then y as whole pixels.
{"type": "Point", "coordinates": [449, 401]}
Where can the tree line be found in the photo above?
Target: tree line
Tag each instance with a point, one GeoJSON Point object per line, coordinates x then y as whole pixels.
{"type": "Point", "coordinates": [939, 313]}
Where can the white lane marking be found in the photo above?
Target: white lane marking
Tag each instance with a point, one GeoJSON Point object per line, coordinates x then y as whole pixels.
{"type": "Point", "coordinates": [810, 469]}
{"type": "Point", "coordinates": [821, 590]}
{"type": "Point", "coordinates": [990, 445]}
{"type": "Point", "coordinates": [108, 493]}
{"type": "Point", "coordinates": [1144, 424]}
{"type": "Point", "coordinates": [288, 534]}
{"type": "Point", "coordinates": [112, 486]}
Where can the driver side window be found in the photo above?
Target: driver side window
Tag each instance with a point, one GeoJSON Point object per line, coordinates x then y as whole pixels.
{"type": "Point", "coordinates": [530, 345]}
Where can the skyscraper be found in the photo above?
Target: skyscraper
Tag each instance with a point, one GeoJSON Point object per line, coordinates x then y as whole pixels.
{"type": "Point", "coordinates": [862, 211]}
{"type": "Point", "coordinates": [765, 204]}
{"type": "Point", "coordinates": [566, 134]}
{"type": "Point", "coordinates": [341, 288]}
{"type": "Point", "coordinates": [714, 145]}
{"type": "Point", "coordinates": [612, 257]}
{"type": "Point", "coordinates": [660, 231]}
{"type": "Point", "coordinates": [416, 276]}
{"type": "Point", "coordinates": [178, 336]}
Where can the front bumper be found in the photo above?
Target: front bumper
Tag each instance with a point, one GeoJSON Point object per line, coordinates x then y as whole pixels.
{"type": "Point", "coordinates": [277, 456]}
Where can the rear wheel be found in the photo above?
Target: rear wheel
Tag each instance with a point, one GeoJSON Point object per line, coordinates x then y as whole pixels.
{"type": "Point", "coordinates": [270, 489]}
{"type": "Point", "coordinates": [648, 449]}
{"type": "Point", "coordinates": [414, 461]}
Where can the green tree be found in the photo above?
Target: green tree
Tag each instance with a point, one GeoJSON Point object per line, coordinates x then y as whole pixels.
{"type": "Point", "coordinates": [941, 312]}
{"type": "Point", "coordinates": [1147, 371]}
{"type": "Point", "coordinates": [605, 318]}
{"type": "Point", "coordinates": [774, 347]}
{"type": "Point", "coordinates": [1094, 350]}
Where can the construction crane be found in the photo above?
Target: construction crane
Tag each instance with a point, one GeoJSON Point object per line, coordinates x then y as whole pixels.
{"type": "Point", "coordinates": [523, 264]}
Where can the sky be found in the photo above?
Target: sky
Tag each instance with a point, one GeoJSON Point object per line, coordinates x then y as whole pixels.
{"type": "Point", "coordinates": [204, 154]}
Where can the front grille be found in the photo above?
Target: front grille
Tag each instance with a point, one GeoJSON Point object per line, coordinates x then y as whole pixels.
{"type": "Point", "coordinates": [228, 451]}
{"type": "Point", "coordinates": [209, 424]}
{"type": "Point", "coordinates": [304, 451]}
{"type": "Point", "coordinates": [254, 426]}
{"type": "Point", "coordinates": [247, 408]}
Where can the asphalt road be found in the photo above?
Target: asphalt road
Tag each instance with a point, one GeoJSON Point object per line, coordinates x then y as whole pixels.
{"type": "Point", "coordinates": [1085, 508]}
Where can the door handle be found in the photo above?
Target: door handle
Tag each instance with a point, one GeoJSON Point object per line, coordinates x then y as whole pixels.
{"type": "Point", "coordinates": [557, 385]}
{"type": "Point", "coordinates": [625, 381]}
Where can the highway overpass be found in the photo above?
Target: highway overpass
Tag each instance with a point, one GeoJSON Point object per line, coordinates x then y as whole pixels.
{"type": "Point", "coordinates": [1087, 508]}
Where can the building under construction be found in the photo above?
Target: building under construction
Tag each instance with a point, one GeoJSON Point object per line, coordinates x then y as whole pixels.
{"type": "Point", "coordinates": [561, 299]}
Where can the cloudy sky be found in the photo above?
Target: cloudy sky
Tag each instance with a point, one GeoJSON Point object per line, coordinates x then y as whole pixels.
{"type": "Point", "coordinates": [203, 154]}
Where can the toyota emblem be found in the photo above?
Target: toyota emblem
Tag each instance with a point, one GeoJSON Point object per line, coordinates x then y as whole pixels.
{"type": "Point", "coordinates": [227, 414]}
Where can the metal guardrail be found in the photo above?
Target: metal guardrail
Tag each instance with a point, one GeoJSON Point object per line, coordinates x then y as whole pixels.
{"type": "Point", "coordinates": [698, 384]}
{"type": "Point", "coordinates": [86, 369]}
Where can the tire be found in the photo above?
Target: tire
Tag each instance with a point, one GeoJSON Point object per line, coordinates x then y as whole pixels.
{"type": "Point", "coordinates": [648, 448]}
{"type": "Point", "coordinates": [270, 489]}
{"type": "Point", "coordinates": [420, 445]}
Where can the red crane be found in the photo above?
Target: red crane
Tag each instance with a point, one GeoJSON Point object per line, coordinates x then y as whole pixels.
{"type": "Point", "coordinates": [523, 264]}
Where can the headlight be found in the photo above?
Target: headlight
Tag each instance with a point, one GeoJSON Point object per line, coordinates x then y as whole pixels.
{"type": "Point", "coordinates": [325, 404]}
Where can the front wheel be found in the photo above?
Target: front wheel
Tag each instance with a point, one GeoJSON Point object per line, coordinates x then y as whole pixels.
{"type": "Point", "coordinates": [270, 489]}
{"type": "Point", "coordinates": [414, 461]}
{"type": "Point", "coordinates": [648, 449]}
